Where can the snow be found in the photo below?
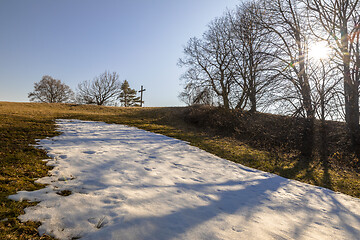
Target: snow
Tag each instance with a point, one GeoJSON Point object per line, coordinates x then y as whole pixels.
{"type": "Point", "coordinates": [128, 183]}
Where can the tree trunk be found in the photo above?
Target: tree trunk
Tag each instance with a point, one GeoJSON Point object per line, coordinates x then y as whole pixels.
{"type": "Point", "coordinates": [224, 92]}
{"type": "Point", "coordinates": [352, 108]}
{"type": "Point", "coordinates": [308, 130]}
{"type": "Point", "coordinates": [252, 98]}
{"type": "Point", "coordinates": [350, 90]}
{"type": "Point", "coordinates": [226, 101]}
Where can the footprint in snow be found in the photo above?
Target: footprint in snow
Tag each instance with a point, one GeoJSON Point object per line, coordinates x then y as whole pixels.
{"type": "Point", "coordinates": [205, 198]}
{"type": "Point", "coordinates": [89, 152]}
{"type": "Point", "coordinates": [118, 197]}
{"type": "Point", "coordinates": [196, 180]}
{"type": "Point", "coordinates": [178, 164]}
{"type": "Point", "coordinates": [236, 229]}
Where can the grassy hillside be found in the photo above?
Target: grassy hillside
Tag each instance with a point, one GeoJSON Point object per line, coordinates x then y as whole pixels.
{"type": "Point", "coordinates": [265, 142]}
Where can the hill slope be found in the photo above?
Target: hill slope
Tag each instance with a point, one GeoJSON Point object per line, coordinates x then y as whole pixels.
{"type": "Point", "coordinates": [262, 141]}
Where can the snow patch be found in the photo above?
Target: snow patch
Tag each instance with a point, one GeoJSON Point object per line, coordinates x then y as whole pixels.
{"type": "Point", "coordinates": [127, 183]}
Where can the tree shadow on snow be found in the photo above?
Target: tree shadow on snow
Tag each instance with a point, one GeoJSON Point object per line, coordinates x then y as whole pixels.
{"type": "Point", "coordinates": [246, 201]}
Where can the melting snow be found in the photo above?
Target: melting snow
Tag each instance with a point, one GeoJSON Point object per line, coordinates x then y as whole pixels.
{"type": "Point", "coordinates": [127, 183]}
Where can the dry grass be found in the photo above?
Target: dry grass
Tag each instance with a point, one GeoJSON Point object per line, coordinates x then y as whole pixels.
{"type": "Point", "coordinates": [20, 163]}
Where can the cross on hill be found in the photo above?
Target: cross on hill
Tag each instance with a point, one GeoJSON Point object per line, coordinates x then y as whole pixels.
{"type": "Point", "coordinates": [141, 95]}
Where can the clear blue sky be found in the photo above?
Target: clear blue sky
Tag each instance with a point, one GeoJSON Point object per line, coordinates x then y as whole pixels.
{"type": "Point", "coordinates": [76, 40]}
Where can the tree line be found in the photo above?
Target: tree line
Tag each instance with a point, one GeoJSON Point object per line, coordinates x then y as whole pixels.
{"type": "Point", "coordinates": [259, 57]}
{"type": "Point", "coordinates": [105, 89]}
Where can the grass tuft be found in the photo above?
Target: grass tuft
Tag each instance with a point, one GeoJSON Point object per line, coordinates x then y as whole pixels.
{"type": "Point", "coordinates": [64, 193]}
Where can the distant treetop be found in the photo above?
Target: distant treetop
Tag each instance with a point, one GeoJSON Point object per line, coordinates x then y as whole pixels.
{"type": "Point", "coordinates": [51, 90]}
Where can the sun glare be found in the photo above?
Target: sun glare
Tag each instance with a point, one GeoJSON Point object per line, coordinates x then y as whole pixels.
{"type": "Point", "coordinates": [319, 50]}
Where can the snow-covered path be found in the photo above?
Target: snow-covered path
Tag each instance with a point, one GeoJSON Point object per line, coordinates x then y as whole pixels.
{"type": "Point", "coordinates": [128, 183]}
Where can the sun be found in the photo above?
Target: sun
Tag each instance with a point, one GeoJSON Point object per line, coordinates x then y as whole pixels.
{"type": "Point", "coordinates": [319, 50]}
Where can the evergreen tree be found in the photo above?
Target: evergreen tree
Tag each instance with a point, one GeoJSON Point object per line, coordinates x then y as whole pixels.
{"type": "Point", "coordinates": [128, 96]}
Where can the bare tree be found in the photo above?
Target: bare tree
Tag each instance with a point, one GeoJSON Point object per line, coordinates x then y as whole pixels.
{"type": "Point", "coordinates": [340, 21]}
{"type": "Point", "coordinates": [252, 54]}
{"type": "Point", "coordinates": [50, 90]}
{"type": "Point", "coordinates": [103, 90]}
{"type": "Point", "coordinates": [285, 20]}
{"type": "Point", "coordinates": [209, 61]}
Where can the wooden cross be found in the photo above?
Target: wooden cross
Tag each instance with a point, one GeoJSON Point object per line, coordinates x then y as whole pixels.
{"type": "Point", "coordinates": [141, 95]}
